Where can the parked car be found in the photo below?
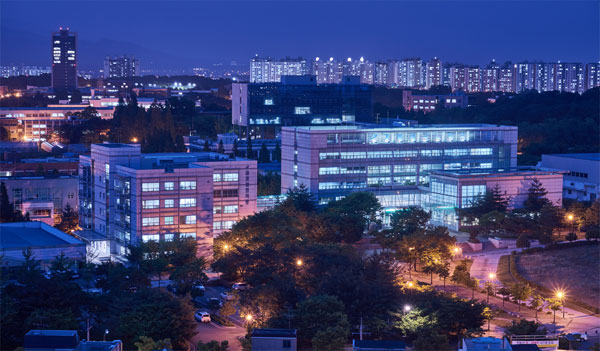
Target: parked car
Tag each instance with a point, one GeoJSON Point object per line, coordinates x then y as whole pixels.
{"type": "Point", "coordinates": [202, 316]}
{"type": "Point", "coordinates": [214, 303]}
{"type": "Point", "coordinates": [240, 286]}
{"type": "Point", "coordinates": [172, 288]}
{"type": "Point", "coordinates": [227, 296]}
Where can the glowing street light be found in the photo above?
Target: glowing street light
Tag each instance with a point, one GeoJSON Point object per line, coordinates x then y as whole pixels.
{"type": "Point", "coordinates": [410, 284]}
{"type": "Point", "coordinates": [406, 308]}
{"type": "Point", "coordinates": [561, 296]}
{"type": "Point", "coordinates": [134, 140]}
{"type": "Point", "coordinates": [226, 247]}
{"type": "Point", "coordinates": [492, 275]}
{"type": "Point", "coordinates": [248, 317]}
{"type": "Point", "coordinates": [299, 262]}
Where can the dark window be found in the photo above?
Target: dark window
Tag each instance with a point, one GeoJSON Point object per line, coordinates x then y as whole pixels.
{"type": "Point", "coordinates": [225, 193]}
{"type": "Point", "coordinates": [287, 344]}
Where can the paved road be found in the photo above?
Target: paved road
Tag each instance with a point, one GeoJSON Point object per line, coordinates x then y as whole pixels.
{"type": "Point", "coordinates": [206, 332]}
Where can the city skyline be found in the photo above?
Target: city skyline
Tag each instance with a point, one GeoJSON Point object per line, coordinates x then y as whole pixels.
{"type": "Point", "coordinates": [457, 32]}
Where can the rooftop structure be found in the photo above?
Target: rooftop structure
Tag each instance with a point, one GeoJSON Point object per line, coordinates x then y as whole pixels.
{"type": "Point", "coordinates": [274, 340]}
{"type": "Point", "coordinates": [131, 197]}
{"type": "Point", "coordinates": [485, 344]}
{"type": "Point", "coordinates": [45, 242]}
{"type": "Point", "coordinates": [582, 177]}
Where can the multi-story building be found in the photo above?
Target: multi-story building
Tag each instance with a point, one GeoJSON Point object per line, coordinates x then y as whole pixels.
{"type": "Point", "coordinates": [526, 76]}
{"type": "Point", "coordinates": [327, 72]}
{"type": "Point", "coordinates": [473, 79]}
{"type": "Point", "coordinates": [393, 73]}
{"type": "Point", "coordinates": [545, 77]}
{"type": "Point", "coordinates": [446, 75]}
{"type": "Point", "coordinates": [301, 101]}
{"type": "Point", "coordinates": [582, 174]}
{"type": "Point", "coordinates": [459, 78]}
{"type": "Point", "coordinates": [489, 77]}
{"type": "Point", "coordinates": [42, 197]}
{"type": "Point", "coordinates": [38, 123]}
{"type": "Point", "coordinates": [592, 75]}
{"type": "Point", "coordinates": [381, 73]}
{"type": "Point", "coordinates": [506, 79]}
{"type": "Point", "coordinates": [392, 162]}
{"type": "Point", "coordinates": [266, 70]}
{"type": "Point", "coordinates": [570, 77]}
{"type": "Point", "coordinates": [38, 166]}
{"type": "Point", "coordinates": [13, 71]}
{"type": "Point", "coordinates": [434, 73]}
{"type": "Point", "coordinates": [130, 197]}
{"type": "Point", "coordinates": [429, 102]}
{"type": "Point", "coordinates": [452, 189]}
{"type": "Point", "coordinates": [64, 60]}
{"type": "Point", "coordinates": [121, 67]}
{"type": "Point", "coordinates": [411, 73]}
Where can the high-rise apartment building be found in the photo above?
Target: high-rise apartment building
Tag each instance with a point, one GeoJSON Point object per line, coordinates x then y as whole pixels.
{"type": "Point", "coordinates": [433, 73]}
{"type": "Point", "coordinates": [489, 77]}
{"type": "Point", "coordinates": [411, 73]}
{"type": "Point", "coordinates": [393, 73]}
{"type": "Point", "coordinates": [459, 78]}
{"type": "Point", "coordinates": [473, 79]}
{"type": "Point", "coordinates": [526, 76]}
{"type": "Point", "coordinates": [592, 75]}
{"type": "Point", "coordinates": [506, 78]}
{"type": "Point", "coordinates": [129, 197]}
{"type": "Point", "coordinates": [570, 77]}
{"type": "Point", "coordinates": [265, 70]}
{"type": "Point", "coordinates": [327, 71]}
{"type": "Point", "coordinates": [64, 60]}
{"type": "Point", "coordinates": [121, 67]}
{"type": "Point", "coordinates": [381, 73]}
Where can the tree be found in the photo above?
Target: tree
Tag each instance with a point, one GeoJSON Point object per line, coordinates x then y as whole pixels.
{"type": "Point", "coordinates": [29, 272]}
{"type": "Point", "coordinates": [461, 275]}
{"type": "Point", "coordinates": [206, 146]}
{"type": "Point", "coordinates": [443, 271]}
{"type": "Point", "coordinates": [523, 241]}
{"type": "Point", "coordinates": [536, 302]}
{"type": "Point", "coordinates": [473, 284]}
{"type": "Point", "coordinates": [415, 322]}
{"type": "Point", "coordinates": [221, 148]}
{"type": "Point", "coordinates": [69, 221]}
{"type": "Point", "coordinates": [7, 212]}
{"type": "Point", "coordinates": [330, 339]}
{"type": "Point", "coordinates": [213, 346]}
{"type": "Point", "coordinates": [431, 341]}
{"type": "Point", "coordinates": [148, 344]}
{"type": "Point", "coordinates": [571, 237]}
{"type": "Point", "coordinates": [249, 152]}
{"type": "Point", "coordinates": [61, 267]}
{"type": "Point", "coordinates": [520, 292]}
{"type": "Point", "coordinates": [263, 156]}
{"type": "Point", "coordinates": [554, 304]}
{"type": "Point", "coordinates": [525, 327]}
{"type": "Point", "coordinates": [488, 314]}
{"type": "Point", "coordinates": [235, 150]}
{"type": "Point", "coordinates": [536, 197]}
{"type": "Point", "coordinates": [490, 289]}
{"type": "Point", "coordinates": [590, 223]}
{"type": "Point", "coordinates": [277, 152]}
{"type": "Point", "coordinates": [504, 292]}
{"type": "Point", "coordinates": [228, 308]}
{"type": "Point", "coordinates": [410, 221]}
{"type": "Point", "coordinates": [492, 201]}
{"type": "Point", "coordinates": [319, 313]}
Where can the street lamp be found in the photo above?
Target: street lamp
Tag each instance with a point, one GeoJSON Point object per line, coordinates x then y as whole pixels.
{"type": "Point", "coordinates": [299, 262]}
{"type": "Point", "coordinates": [406, 308]}
{"type": "Point", "coordinates": [492, 277]}
{"type": "Point", "coordinates": [226, 247]}
{"type": "Point", "coordinates": [105, 334]}
{"type": "Point", "coordinates": [571, 218]}
{"type": "Point", "coordinates": [410, 284]}
{"type": "Point", "coordinates": [560, 295]}
{"type": "Point", "coordinates": [134, 140]}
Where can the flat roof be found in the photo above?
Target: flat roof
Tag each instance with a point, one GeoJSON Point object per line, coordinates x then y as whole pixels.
{"type": "Point", "coordinates": [33, 234]}
{"type": "Point", "coordinates": [290, 333]}
{"type": "Point", "coordinates": [116, 145]}
{"type": "Point", "coordinates": [470, 173]}
{"type": "Point", "coordinates": [415, 127]}
{"type": "Point", "coordinates": [589, 157]}
{"type": "Point", "coordinates": [53, 108]}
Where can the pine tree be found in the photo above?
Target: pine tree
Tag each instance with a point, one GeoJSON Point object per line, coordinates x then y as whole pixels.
{"type": "Point", "coordinates": [264, 154]}
{"type": "Point", "coordinates": [235, 147]}
{"type": "Point", "coordinates": [277, 152]}
{"type": "Point", "coordinates": [536, 196]}
{"type": "Point", "coordinates": [221, 148]}
{"type": "Point", "coordinates": [206, 146]}
{"type": "Point", "coordinates": [6, 208]}
{"type": "Point", "coordinates": [249, 152]}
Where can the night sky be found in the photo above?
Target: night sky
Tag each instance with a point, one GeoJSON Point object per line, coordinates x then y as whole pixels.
{"type": "Point", "coordinates": [185, 34]}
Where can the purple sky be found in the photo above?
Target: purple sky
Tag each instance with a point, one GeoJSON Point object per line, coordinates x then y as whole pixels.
{"type": "Point", "coordinates": [184, 34]}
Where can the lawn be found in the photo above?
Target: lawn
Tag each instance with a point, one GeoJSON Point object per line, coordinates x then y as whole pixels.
{"type": "Point", "coordinates": [575, 269]}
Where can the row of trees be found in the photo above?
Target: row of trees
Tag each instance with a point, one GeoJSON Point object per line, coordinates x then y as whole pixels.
{"type": "Point", "coordinates": [133, 312]}
{"type": "Point", "coordinates": [305, 275]}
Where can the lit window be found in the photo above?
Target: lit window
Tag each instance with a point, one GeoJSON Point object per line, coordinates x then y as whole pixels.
{"type": "Point", "coordinates": [187, 185]}
{"type": "Point", "coordinates": [150, 186]}
{"type": "Point", "coordinates": [169, 220]}
{"type": "Point", "coordinates": [169, 203]}
{"type": "Point", "coordinates": [152, 237]}
{"type": "Point", "coordinates": [302, 110]}
{"type": "Point", "coordinates": [191, 219]}
{"type": "Point", "coordinates": [230, 177]}
{"type": "Point", "coordinates": [187, 202]}
{"type": "Point", "coordinates": [268, 102]}
{"type": "Point", "coordinates": [169, 186]}
{"type": "Point", "coordinates": [217, 177]}
{"type": "Point", "coordinates": [149, 204]}
{"type": "Point", "coordinates": [150, 221]}
{"type": "Point", "coordinates": [187, 235]}
{"type": "Point", "coordinates": [231, 209]}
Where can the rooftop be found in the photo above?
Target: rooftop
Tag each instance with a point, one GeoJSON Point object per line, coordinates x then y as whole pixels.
{"type": "Point", "coordinates": [487, 344]}
{"type": "Point", "coordinates": [53, 108]}
{"type": "Point", "coordinates": [33, 234]}
{"type": "Point", "coordinates": [415, 127]}
{"type": "Point", "coordinates": [473, 173]}
{"type": "Point", "coordinates": [291, 333]}
{"type": "Point", "coordinates": [589, 157]}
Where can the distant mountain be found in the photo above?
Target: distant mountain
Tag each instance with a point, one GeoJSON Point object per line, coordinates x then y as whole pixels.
{"type": "Point", "coordinates": [18, 47]}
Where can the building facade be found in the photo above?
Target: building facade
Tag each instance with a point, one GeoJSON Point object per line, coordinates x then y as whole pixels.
{"type": "Point", "coordinates": [393, 163]}
{"type": "Point", "coordinates": [121, 67]}
{"type": "Point", "coordinates": [130, 197]}
{"type": "Point", "coordinates": [434, 73]}
{"type": "Point", "coordinates": [43, 198]}
{"type": "Point", "coordinates": [64, 60]}
{"type": "Point", "coordinates": [592, 75]}
{"type": "Point", "coordinates": [454, 189]}
{"type": "Point", "coordinates": [267, 70]}
{"type": "Point", "coordinates": [582, 177]}
{"type": "Point", "coordinates": [428, 102]}
{"type": "Point", "coordinates": [301, 101]}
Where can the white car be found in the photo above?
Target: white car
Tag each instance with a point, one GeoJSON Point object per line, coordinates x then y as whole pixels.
{"type": "Point", "coordinates": [240, 286]}
{"type": "Point", "coordinates": [227, 296]}
{"type": "Point", "coordinates": [202, 316]}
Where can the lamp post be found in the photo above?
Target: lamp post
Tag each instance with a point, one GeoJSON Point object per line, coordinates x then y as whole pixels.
{"type": "Point", "coordinates": [561, 296]}
{"type": "Point", "coordinates": [571, 218]}
{"type": "Point", "coordinates": [492, 277]}
{"type": "Point", "coordinates": [105, 334]}
{"type": "Point", "coordinates": [406, 309]}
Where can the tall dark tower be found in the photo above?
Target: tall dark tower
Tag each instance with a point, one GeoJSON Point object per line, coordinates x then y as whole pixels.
{"type": "Point", "coordinates": [64, 60]}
